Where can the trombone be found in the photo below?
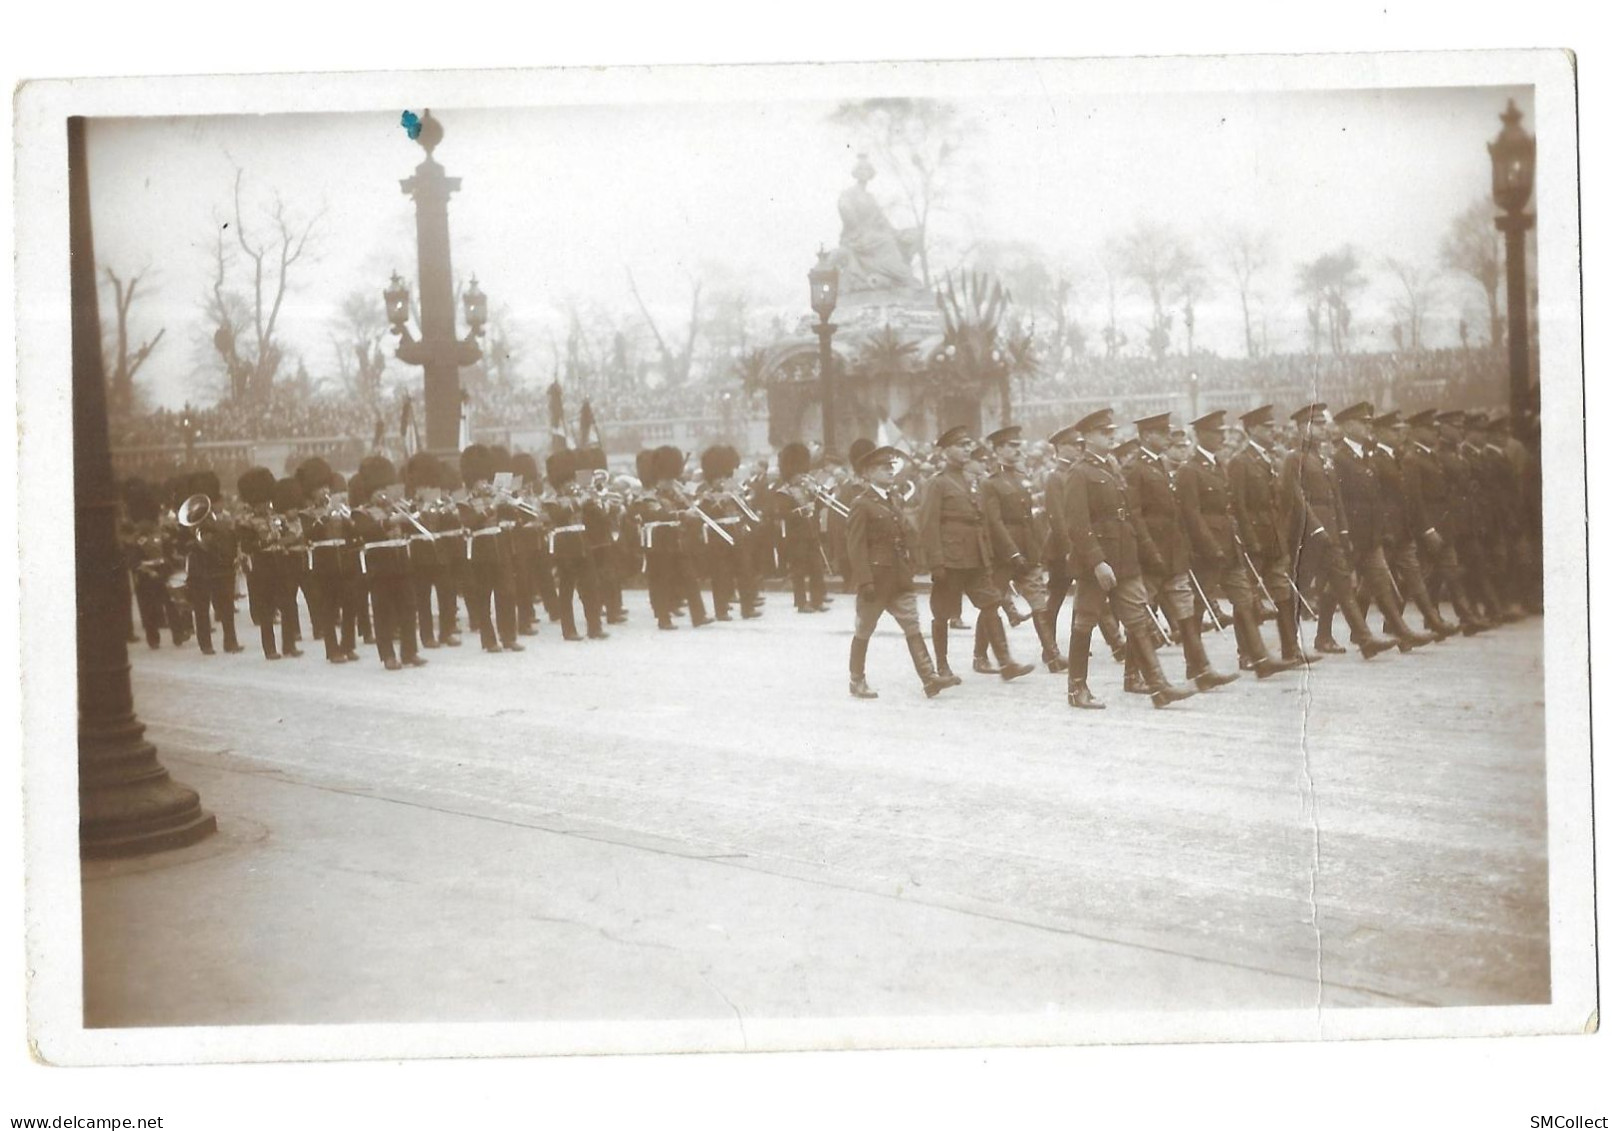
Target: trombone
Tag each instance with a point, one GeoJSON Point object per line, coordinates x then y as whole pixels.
{"type": "Point", "coordinates": [826, 497]}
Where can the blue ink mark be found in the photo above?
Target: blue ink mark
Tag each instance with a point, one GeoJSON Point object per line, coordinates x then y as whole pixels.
{"type": "Point", "coordinates": [412, 124]}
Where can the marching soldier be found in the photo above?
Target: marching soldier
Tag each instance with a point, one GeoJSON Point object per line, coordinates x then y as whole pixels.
{"type": "Point", "coordinates": [327, 557]}
{"type": "Point", "coordinates": [1104, 561]}
{"type": "Point", "coordinates": [1319, 527]}
{"type": "Point", "coordinates": [798, 519]}
{"type": "Point", "coordinates": [1389, 454]}
{"type": "Point", "coordinates": [1261, 512]}
{"type": "Point", "coordinates": [717, 499]}
{"type": "Point", "coordinates": [288, 500]}
{"type": "Point", "coordinates": [568, 548]}
{"type": "Point", "coordinates": [1364, 516]}
{"type": "Point", "coordinates": [880, 567]}
{"type": "Point", "coordinates": [1204, 492]}
{"type": "Point", "coordinates": [489, 555]}
{"type": "Point", "coordinates": [151, 565]}
{"type": "Point", "coordinates": [525, 533]}
{"type": "Point", "coordinates": [211, 567]}
{"type": "Point", "coordinates": [262, 535]}
{"type": "Point", "coordinates": [1009, 510]}
{"type": "Point", "coordinates": [603, 525]}
{"type": "Point", "coordinates": [1431, 508]}
{"type": "Point", "coordinates": [671, 541]}
{"type": "Point", "coordinates": [955, 549]}
{"type": "Point", "coordinates": [1066, 447]}
{"type": "Point", "coordinates": [385, 564]}
{"type": "Point", "coordinates": [1164, 551]}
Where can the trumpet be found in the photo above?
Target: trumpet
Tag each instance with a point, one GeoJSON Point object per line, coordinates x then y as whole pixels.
{"type": "Point", "coordinates": [507, 497]}
{"type": "Point", "coordinates": [826, 497]}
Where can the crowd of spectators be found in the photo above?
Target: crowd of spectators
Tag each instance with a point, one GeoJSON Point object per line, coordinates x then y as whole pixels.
{"type": "Point", "coordinates": [1460, 377]}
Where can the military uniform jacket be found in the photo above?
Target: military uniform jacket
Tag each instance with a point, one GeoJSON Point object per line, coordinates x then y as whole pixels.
{"type": "Point", "coordinates": [1427, 497]}
{"type": "Point", "coordinates": [954, 535]}
{"type": "Point", "coordinates": [562, 514]}
{"type": "Point", "coordinates": [1256, 500]}
{"type": "Point", "coordinates": [1204, 493]}
{"type": "Point", "coordinates": [1009, 512]}
{"type": "Point", "coordinates": [1361, 495]}
{"type": "Point", "coordinates": [1096, 513]}
{"type": "Point", "coordinates": [1459, 488]}
{"type": "Point", "coordinates": [1164, 552]}
{"type": "Point", "coordinates": [1391, 493]}
{"type": "Point", "coordinates": [1310, 494]}
{"type": "Point", "coordinates": [212, 553]}
{"type": "Point", "coordinates": [1056, 544]}
{"type": "Point", "coordinates": [376, 527]}
{"type": "Point", "coordinates": [878, 551]}
{"type": "Point", "coordinates": [1502, 491]}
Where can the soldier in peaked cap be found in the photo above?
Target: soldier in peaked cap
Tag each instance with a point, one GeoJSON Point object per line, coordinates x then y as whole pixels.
{"type": "Point", "coordinates": [1261, 512]}
{"type": "Point", "coordinates": [1218, 554]}
{"type": "Point", "coordinates": [1365, 515]}
{"type": "Point", "coordinates": [1319, 526]}
{"type": "Point", "coordinates": [956, 551]}
{"type": "Point", "coordinates": [1164, 550]}
{"type": "Point", "coordinates": [880, 566]}
{"type": "Point", "coordinates": [1009, 510]}
{"type": "Point", "coordinates": [1067, 446]}
{"type": "Point", "coordinates": [1390, 455]}
{"type": "Point", "coordinates": [1104, 559]}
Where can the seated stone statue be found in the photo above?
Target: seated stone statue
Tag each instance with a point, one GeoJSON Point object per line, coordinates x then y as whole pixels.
{"type": "Point", "coordinates": [872, 255]}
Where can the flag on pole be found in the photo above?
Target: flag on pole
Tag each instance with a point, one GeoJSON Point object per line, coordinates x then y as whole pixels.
{"type": "Point", "coordinates": [559, 433]}
{"type": "Point", "coordinates": [587, 424]}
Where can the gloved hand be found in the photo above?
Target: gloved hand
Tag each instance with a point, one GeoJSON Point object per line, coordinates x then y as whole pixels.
{"type": "Point", "coordinates": [1105, 577]}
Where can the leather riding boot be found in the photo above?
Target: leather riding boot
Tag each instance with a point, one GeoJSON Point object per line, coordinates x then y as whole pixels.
{"type": "Point", "coordinates": [941, 649]}
{"type": "Point", "coordinates": [1198, 668]}
{"type": "Point", "coordinates": [1112, 634]}
{"type": "Point", "coordinates": [981, 663]}
{"type": "Point", "coordinates": [932, 684]}
{"type": "Point", "coordinates": [1287, 627]}
{"type": "Point", "coordinates": [1265, 664]}
{"type": "Point", "coordinates": [1010, 668]}
{"type": "Point", "coordinates": [1163, 692]}
{"type": "Point", "coordinates": [1079, 666]}
{"type": "Point", "coordinates": [1133, 683]}
{"type": "Point", "coordinates": [1048, 643]}
{"type": "Point", "coordinates": [857, 669]}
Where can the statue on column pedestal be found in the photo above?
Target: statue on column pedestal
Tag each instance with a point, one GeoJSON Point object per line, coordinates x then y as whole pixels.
{"type": "Point", "coordinates": [872, 255]}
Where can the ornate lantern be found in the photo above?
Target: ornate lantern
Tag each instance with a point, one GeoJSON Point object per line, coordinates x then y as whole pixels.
{"type": "Point", "coordinates": [1512, 159]}
{"type": "Point", "coordinates": [823, 280]}
{"type": "Point", "coordinates": [397, 300]}
{"type": "Point", "coordinates": [477, 308]}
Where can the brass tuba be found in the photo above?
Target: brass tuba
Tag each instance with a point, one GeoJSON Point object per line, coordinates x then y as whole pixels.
{"type": "Point", "coordinates": [194, 511]}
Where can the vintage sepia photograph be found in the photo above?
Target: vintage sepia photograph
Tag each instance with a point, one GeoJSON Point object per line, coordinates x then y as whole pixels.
{"type": "Point", "coordinates": [788, 558]}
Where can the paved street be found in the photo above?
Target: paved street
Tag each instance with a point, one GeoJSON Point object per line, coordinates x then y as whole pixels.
{"type": "Point", "coordinates": [703, 825]}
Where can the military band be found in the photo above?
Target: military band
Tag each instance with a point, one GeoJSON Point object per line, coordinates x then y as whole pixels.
{"type": "Point", "coordinates": [1345, 513]}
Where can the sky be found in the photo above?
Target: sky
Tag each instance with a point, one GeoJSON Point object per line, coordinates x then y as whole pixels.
{"type": "Point", "coordinates": [557, 203]}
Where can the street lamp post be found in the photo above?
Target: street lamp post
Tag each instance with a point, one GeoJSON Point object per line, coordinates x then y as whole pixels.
{"type": "Point", "coordinates": [439, 352]}
{"type": "Point", "coordinates": [823, 280]}
{"type": "Point", "coordinates": [1512, 161]}
{"type": "Point", "coordinates": [128, 804]}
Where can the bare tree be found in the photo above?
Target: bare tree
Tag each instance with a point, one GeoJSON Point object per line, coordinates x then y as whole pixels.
{"type": "Point", "coordinates": [676, 364]}
{"type": "Point", "coordinates": [915, 141]}
{"type": "Point", "coordinates": [1411, 308]}
{"type": "Point", "coordinates": [1190, 288]}
{"type": "Point", "coordinates": [1244, 254]}
{"type": "Point", "coordinates": [1329, 284]}
{"type": "Point", "coordinates": [1473, 248]}
{"type": "Point", "coordinates": [1113, 339]}
{"type": "Point", "coordinates": [357, 333]}
{"type": "Point", "coordinates": [1154, 258]}
{"type": "Point", "coordinates": [245, 320]}
{"type": "Point", "coordinates": [126, 362]}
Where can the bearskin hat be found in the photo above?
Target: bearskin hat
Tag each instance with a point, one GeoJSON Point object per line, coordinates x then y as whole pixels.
{"type": "Point", "coordinates": [477, 465]}
{"type": "Point", "coordinates": [715, 465]}
{"type": "Point", "coordinates": [360, 489]}
{"type": "Point", "coordinates": [590, 459]}
{"type": "Point", "coordinates": [793, 459]}
{"type": "Point", "coordinates": [449, 476]}
{"type": "Point", "coordinates": [643, 466]}
{"type": "Point", "coordinates": [859, 450]}
{"type": "Point", "coordinates": [140, 501]}
{"type": "Point", "coordinates": [288, 495]}
{"type": "Point", "coordinates": [313, 474]}
{"type": "Point", "coordinates": [255, 486]}
{"type": "Point", "coordinates": [205, 482]}
{"type": "Point", "coordinates": [668, 462]}
{"type": "Point", "coordinates": [523, 464]}
{"type": "Point", "coordinates": [502, 457]}
{"type": "Point", "coordinates": [421, 470]}
{"type": "Point", "coordinates": [379, 471]}
{"type": "Point", "coordinates": [559, 467]}
{"type": "Point", "coordinates": [733, 459]}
